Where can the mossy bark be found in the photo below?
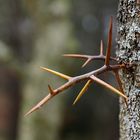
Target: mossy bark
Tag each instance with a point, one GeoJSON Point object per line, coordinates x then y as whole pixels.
{"type": "Point", "coordinates": [128, 52]}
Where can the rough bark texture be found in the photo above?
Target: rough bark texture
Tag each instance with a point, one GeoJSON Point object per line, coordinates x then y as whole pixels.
{"type": "Point", "coordinates": [128, 52]}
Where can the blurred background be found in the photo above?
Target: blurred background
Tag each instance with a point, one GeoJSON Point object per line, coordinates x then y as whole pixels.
{"type": "Point", "coordinates": [36, 33]}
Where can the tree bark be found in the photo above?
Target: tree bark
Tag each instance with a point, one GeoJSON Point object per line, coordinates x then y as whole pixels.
{"type": "Point", "coordinates": [128, 52]}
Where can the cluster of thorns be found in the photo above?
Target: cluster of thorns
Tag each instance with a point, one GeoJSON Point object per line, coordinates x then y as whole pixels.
{"type": "Point", "coordinates": [90, 76]}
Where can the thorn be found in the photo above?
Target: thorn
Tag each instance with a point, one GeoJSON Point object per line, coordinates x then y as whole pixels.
{"type": "Point", "coordinates": [107, 86]}
{"type": "Point", "coordinates": [109, 43]}
{"type": "Point", "coordinates": [51, 90]}
{"type": "Point", "coordinates": [101, 48]}
{"type": "Point", "coordinates": [80, 56]}
{"type": "Point", "coordinates": [119, 81]}
{"type": "Point", "coordinates": [75, 56]}
{"type": "Point", "coordinates": [87, 61]}
{"type": "Point", "coordinates": [120, 84]}
{"type": "Point", "coordinates": [82, 91]}
{"type": "Point", "coordinates": [41, 103]}
{"type": "Point", "coordinates": [57, 73]}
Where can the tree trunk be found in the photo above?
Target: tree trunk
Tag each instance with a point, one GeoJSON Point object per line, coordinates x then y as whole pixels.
{"type": "Point", "coordinates": [128, 52]}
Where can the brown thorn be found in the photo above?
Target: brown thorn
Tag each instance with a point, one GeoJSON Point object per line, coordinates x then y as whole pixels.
{"type": "Point", "coordinates": [82, 91]}
{"type": "Point", "coordinates": [41, 103]}
{"type": "Point", "coordinates": [101, 48]}
{"type": "Point", "coordinates": [119, 83]}
{"type": "Point", "coordinates": [107, 86]}
{"type": "Point", "coordinates": [88, 60]}
{"type": "Point", "coordinates": [118, 80]}
{"type": "Point", "coordinates": [75, 56]}
{"type": "Point", "coordinates": [87, 57]}
{"type": "Point", "coordinates": [57, 73]}
{"type": "Point", "coordinates": [51, 90]}
{"type": "Point", "coordinates": [109, 44]}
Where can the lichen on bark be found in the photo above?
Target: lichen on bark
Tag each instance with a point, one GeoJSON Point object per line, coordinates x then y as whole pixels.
{"type": "Point", "coordinates": [128, 52]}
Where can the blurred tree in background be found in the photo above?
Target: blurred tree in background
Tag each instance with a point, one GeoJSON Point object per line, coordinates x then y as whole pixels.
{"type": "Point", "coordinates": [36, 33]}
